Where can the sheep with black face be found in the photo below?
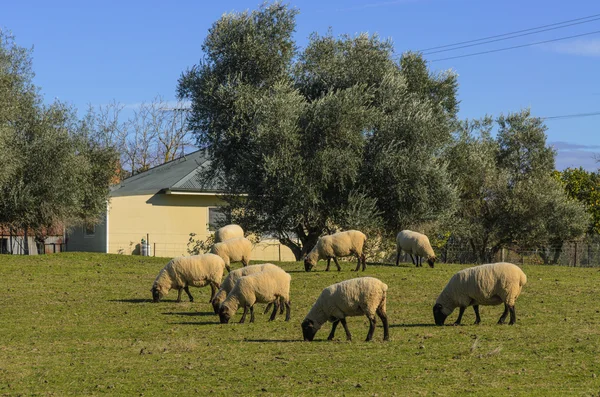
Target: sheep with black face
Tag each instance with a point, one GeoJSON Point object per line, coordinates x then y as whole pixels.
{"type": "Point", "coordinates": [350, 242]}
{"type": "Point", "coordinates": [354, 297]}
{"type": "Point", "coordinates": [489, 285]}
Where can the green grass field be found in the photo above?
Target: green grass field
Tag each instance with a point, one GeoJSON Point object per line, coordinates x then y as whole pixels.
{"type": "Point", "coordinates": [83, 324]}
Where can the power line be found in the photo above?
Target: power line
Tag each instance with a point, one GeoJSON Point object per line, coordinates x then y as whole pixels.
{"type": "Point", "coordinates": [510, 37]}
{"type": "Point", "coordinates": [571, 116]}
{"type": "Point", "coordinates": [508, 34]}
{"type": "Point", "coordinates": [513, 47]}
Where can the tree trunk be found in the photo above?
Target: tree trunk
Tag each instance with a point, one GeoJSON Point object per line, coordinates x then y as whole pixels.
{"type": "Point", "coordinates": [307, 242]}
{"type": "Point", "coordinates": [25, 242]}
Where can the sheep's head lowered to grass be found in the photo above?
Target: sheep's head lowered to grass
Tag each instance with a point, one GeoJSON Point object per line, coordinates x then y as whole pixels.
{"type": "Point", "coordinates": [438, 314]}
{"type": "Point", "coordinates": [309, 330]}
{"type": "Point", "coordinates": [225, 314]}
{"type": "Point", "coordinates": [157, 294]}
{"type": "Point", "coordinates": [308, 264]}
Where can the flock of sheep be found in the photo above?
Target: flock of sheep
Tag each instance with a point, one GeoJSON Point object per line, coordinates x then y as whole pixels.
{"type": "Point", "coordinates": [490, 284]}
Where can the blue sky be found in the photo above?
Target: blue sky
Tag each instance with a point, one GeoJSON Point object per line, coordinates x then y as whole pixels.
{"type": "Point", "coordinates": [131, 51]}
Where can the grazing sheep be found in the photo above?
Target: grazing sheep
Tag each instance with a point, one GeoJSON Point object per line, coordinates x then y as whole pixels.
{"type": "Point", "coordinates": [235, 275]}
{"type": "Point", "coordinates": [236, 249]}
{"type": "Point", "coordinates": [228, 232]}
{"type": "Point", "coordinates": [488, 285]}
{"type": "Point", "coordinates": [354, 297]}
{"type": "Point", "coordinates": [340, 244]}
{"type": "Point", "coordinates": [416, 244]}
{"type": "Point", "coordinates": [269, 286]}
{"type": "Point", "coordinates": [180, 273]}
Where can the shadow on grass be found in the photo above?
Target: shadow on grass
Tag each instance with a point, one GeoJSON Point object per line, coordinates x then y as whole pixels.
{"type": "Point", "coordinates": [189, 314]}
{"type": "Point", "coordinates": [411, 325]}
{"type": "Point", "coordinates": [198, 323]}
{"type": "Point", "coordinates": [279, 340]}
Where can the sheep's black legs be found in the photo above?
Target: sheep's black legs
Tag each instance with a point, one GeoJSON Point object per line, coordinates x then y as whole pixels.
{"type": "Point", "coordinates": [371, 329]}
{"type": "Point", "coordinates": [333, 327]}
{"type": "Point", "coordinates": [398, 258]}
{"type": "Point", "coordinates": [213, 292]}
{"type": "Point", "coordinates": [358, 264]}
{"type": "Point", "coordinates": [513, 315]}
{"type": "Point", "coordinates": [228, 268]}
{"type": "Point", "coordinates": [348, 334]}
{"type": "Point", "coordinates": [268, 307]}
{"type": "Point", "coordinates": [179, 295]}
{"type": "Point", "coordinates": [244, 315]}
{"type": "Point", "coordinates": [364, 262]}
{"type": "Point", "coordinates": [251, 314]}
{"type": "Point", "coordinates": [245, 262]}
{"type": "Point", "coordinates": [383, 316]}
{"type": "Point", "coordinates": [328, 263]}
{"type": "Point", "coordinates": [503, 316]}
{"type": "Point", "coordinates": [337, 264]}
{"type": "Point", "coordinates": [275, 309]}
{"type": "Point", "coordinates": [413, 260]}
{"type": "Point", "coordinates": [460, 314]}
{"type": "Point", "coordinates": [288, 310]}
{"type": "Point", "coordinates": [476, 310]}
{"type": "Point", "coordinates": [187, 291]}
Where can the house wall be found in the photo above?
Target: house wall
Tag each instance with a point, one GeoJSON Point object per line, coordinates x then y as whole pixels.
{"type": "Point", "coordinates": [167, 220]}
{"type": "Point", "coordinates": [79, 240]}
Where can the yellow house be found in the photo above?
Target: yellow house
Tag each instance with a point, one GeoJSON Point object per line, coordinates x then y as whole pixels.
{"type": "Point", "coordinates": [156, 211]}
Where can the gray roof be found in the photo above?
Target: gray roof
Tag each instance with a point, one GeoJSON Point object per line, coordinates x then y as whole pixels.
{"type": "Point", "coordinates": [179, 175]}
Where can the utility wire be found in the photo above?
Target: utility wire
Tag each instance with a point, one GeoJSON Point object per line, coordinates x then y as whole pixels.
{"type": "Point", "coordinates": [510, 37]}
{"type": "Point", "coordinates": [513, 47]}
{"type": "Point", "coordinates": [571, 116]}
{"type": "Point", "coordinates": [508, 34]}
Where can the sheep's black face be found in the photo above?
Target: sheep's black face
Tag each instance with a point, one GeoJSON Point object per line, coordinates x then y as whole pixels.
{"type": "Point", "coordinates": [308, 330]}
{"type": "Point", "coordinates": [224, 316]}
{"type": "Point", "coordinates": [431, 261]}
{"type": "Point", "coordinates": [155, 295]}
{"type": "Point", "coordinates": [438, 315]}
{"type": "Point", "coordinates": [307, 265]}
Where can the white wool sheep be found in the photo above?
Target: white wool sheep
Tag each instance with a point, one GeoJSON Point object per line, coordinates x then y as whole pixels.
{"type": "Point", "coordinates": [354, 297]}
{"type": "Point", "coordinates": [235, 275]}
{"type": "Point", "coordinates": [228, 232]}
{"type": "Point", "coordinates": [269, 286]}
{"type": "Point", "coordinates": [185, 271]}
{"type": "Point", "coordinates": [236, 249]}
{"type": "Point", "coordinates": [340, 244]}
{"type": "Point", "coordinates": [417, 244]}
{"type": "Point", "coordinates": [488, 285]}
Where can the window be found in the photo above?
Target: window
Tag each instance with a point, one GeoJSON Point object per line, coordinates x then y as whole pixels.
{"type": "Point", "coordinates": [215, 217]}
{"type": "Point", "coordinates": [89, 230]}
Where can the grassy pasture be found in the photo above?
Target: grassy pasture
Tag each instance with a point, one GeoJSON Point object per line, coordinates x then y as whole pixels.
{"type": "Point", "coordinates": [83, 324]}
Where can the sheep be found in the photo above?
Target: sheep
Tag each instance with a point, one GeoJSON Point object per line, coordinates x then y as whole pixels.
{"type": "Point", "coordinates": [417, 244]}
{"type": "Point", "coordinates": [490, 284]}
{"type": "Point", "coordinates": [228, 232]}
{"type": "Point", "coordinates": [340, 244]}
{"type": "Point", "coordinates": [269, 286]}
{"type": "Point", "coordinates": [363, 295]}
{"type": "Point", "coordinates": [234, 276]}
{"type": "Point", "coordinates": [236, 249]}
{"type": "Point", "coordinates": [181, 272]}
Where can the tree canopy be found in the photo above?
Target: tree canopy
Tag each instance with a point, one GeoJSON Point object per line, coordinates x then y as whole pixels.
{"type": "Point", "coordinates": [53, 173]}
{"type": "Point", "coordinates": [338, 135]}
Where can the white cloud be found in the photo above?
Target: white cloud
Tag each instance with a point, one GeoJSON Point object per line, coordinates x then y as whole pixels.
{"type": "Point", "coordinates": [583, 47]}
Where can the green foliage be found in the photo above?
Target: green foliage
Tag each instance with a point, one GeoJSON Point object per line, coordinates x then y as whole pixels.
{"type": "Point", "coordinates": [85, 325]}
{"type": "Point", "coordinates": [197, 246]}
{"type": "Point", "coordinates": [305, 138]}
{"type": "Point", "coordinates": [507, 194]}
{"type": "Point", "coordinates": [54, 174]}
{"type": "Point", "coordinates": [583, 186]}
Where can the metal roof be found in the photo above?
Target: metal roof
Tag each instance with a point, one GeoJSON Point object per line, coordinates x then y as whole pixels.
{"type": "Point", "coordinates": [181, 174]}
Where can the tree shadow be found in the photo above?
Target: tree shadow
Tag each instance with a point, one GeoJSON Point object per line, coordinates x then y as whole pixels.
{"type": "Point", "coordinates": [191, 314]}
